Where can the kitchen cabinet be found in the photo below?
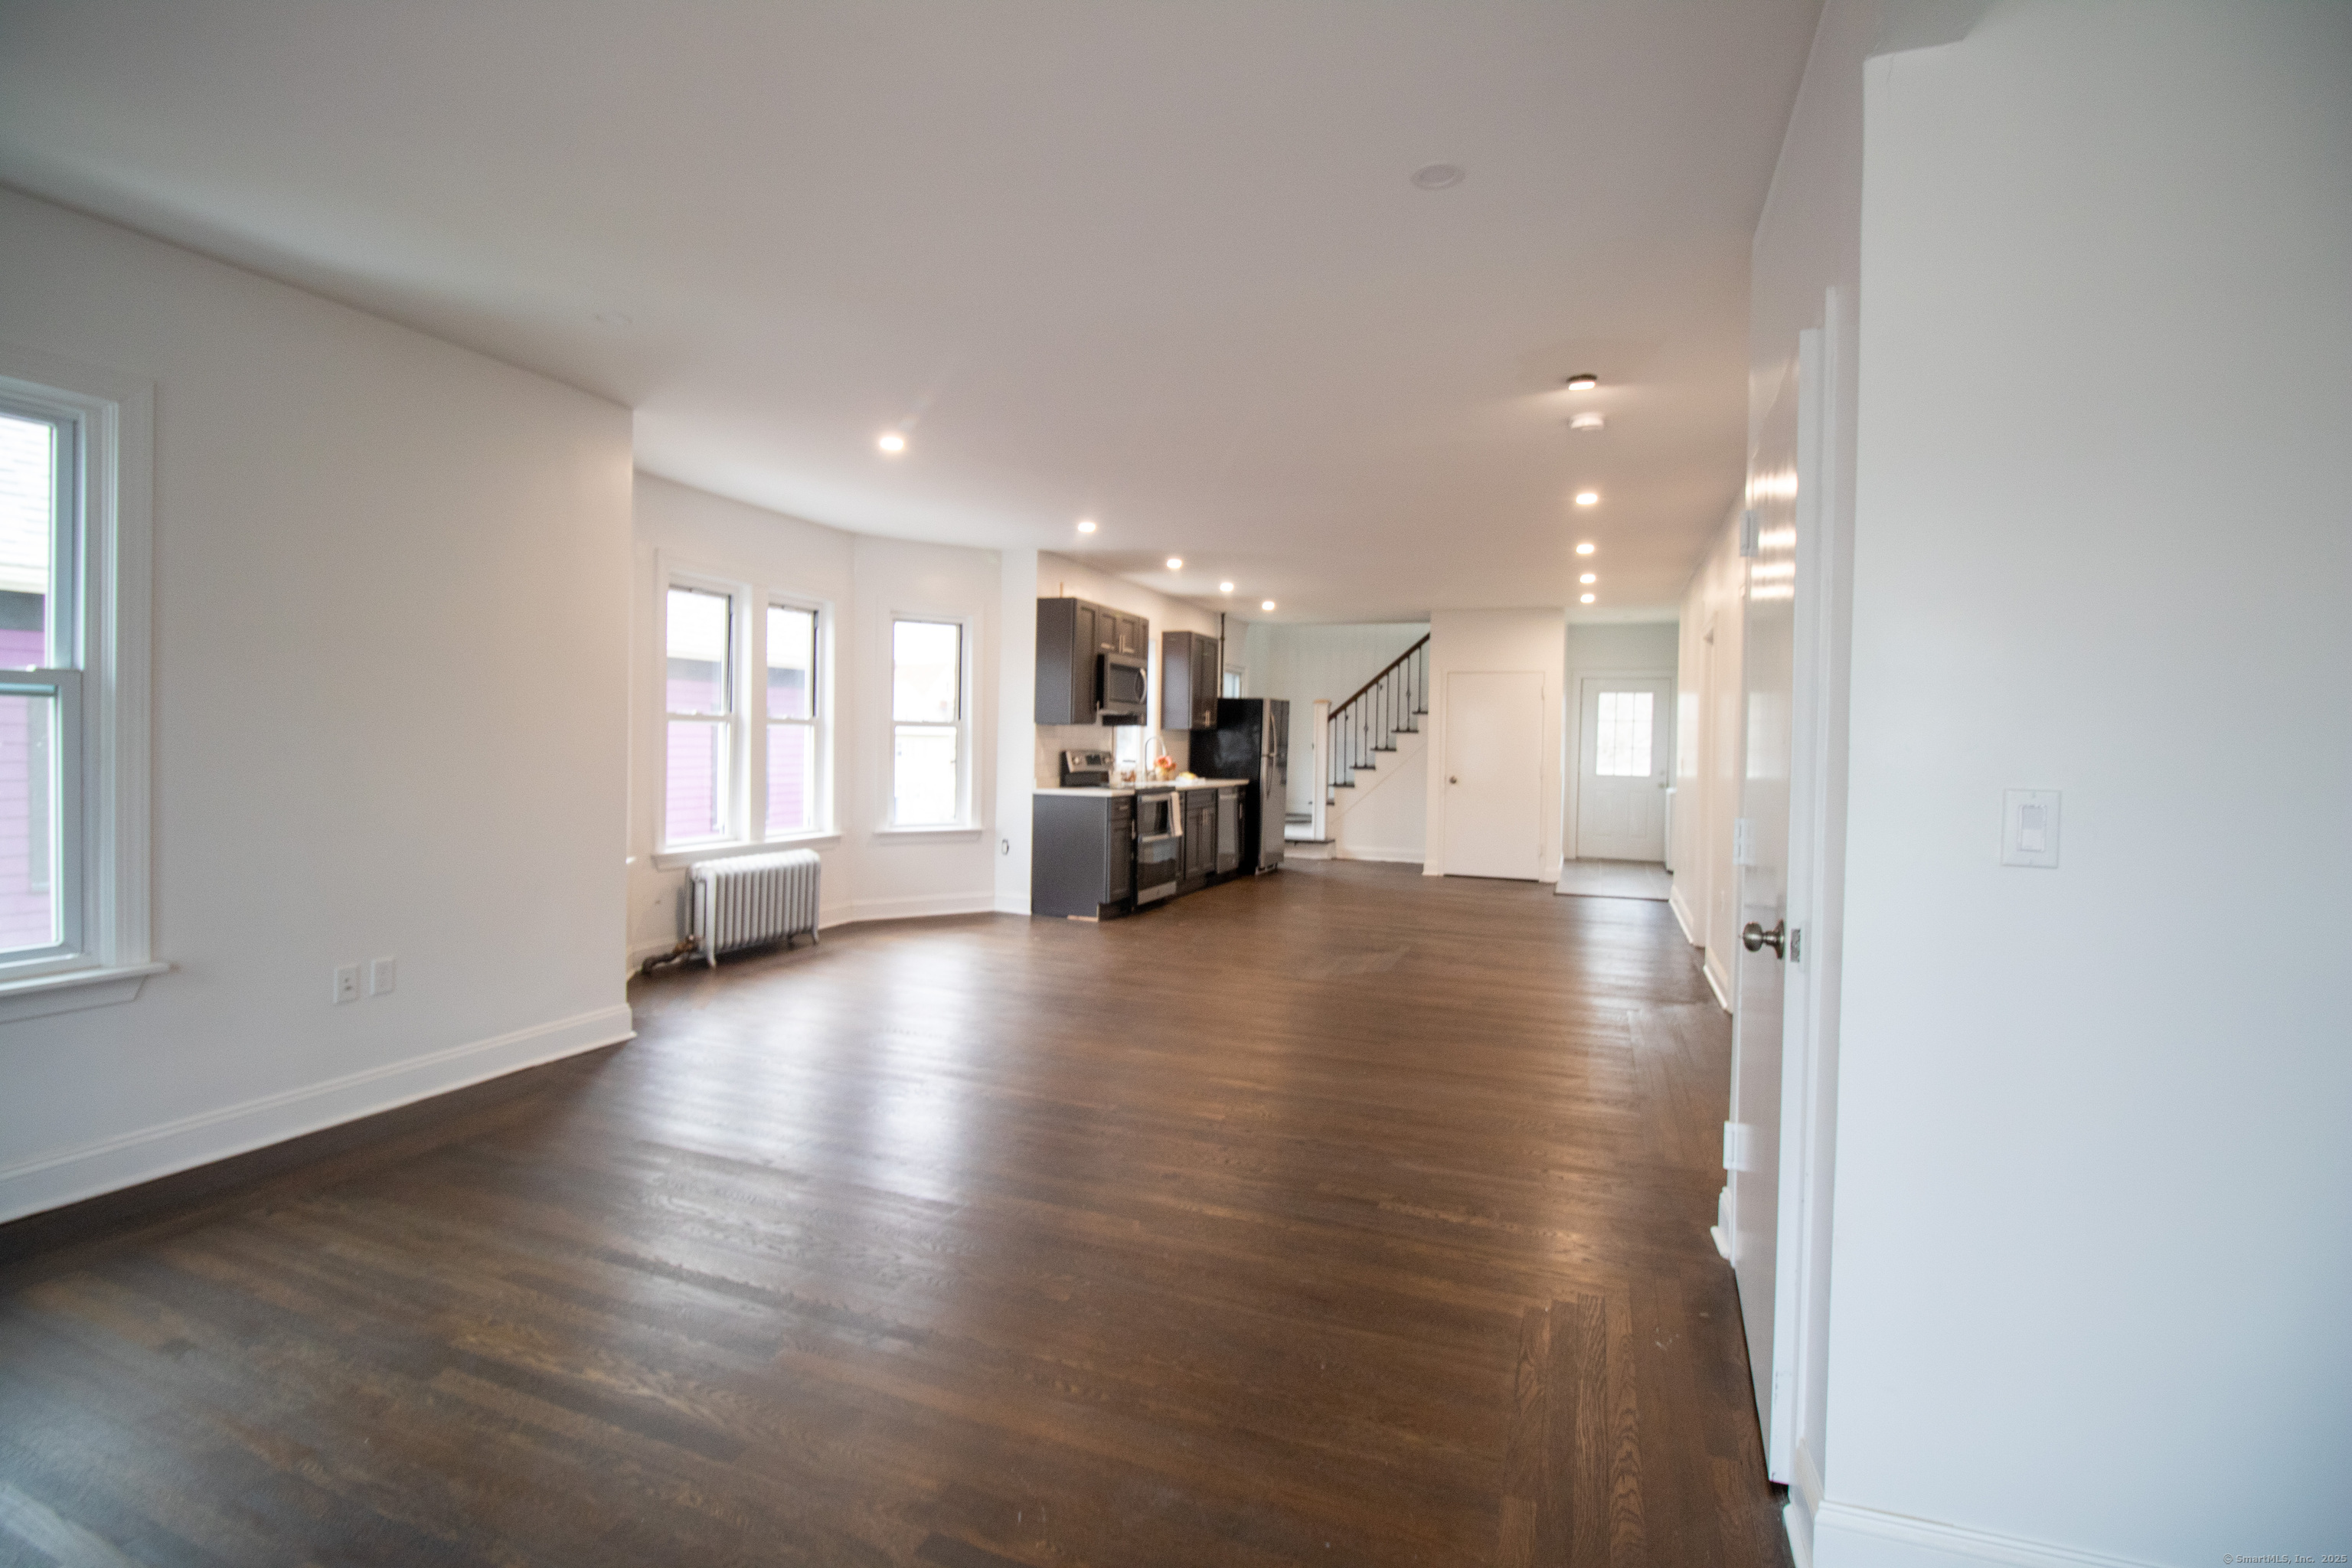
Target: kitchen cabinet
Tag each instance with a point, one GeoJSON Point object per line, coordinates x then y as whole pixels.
{"type": "Point", "coordinates": [1071, 635]}
{"type": "Point", "coordinates": [1200, 839]}
{"type": "Point", "coordinates": [1082, 859]}
{"type": "Point", "coordinates": [1190, 665]}
{"type": "Point", "coordinates": [1228, 830]}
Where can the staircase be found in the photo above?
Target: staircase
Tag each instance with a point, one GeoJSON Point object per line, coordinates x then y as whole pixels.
{"type": "Point", "coordinates": [1364, 728]}
{"type": "Point", "coordinates": [1355, 744]}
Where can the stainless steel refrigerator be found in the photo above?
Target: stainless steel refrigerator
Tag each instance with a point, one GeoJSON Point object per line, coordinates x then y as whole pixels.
{"type": "Point", "coordinates": [1252, 741]}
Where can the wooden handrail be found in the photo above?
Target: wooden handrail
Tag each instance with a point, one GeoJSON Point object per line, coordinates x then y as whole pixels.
{"type": "Point", "coordinates": [1383, 675]}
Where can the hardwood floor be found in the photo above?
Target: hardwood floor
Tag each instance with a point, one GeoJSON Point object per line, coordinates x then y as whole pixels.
{"type": "Point", "coordinates": [1341, 1215]}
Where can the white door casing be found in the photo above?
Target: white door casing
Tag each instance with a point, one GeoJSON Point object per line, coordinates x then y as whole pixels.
{"type": "Point", "coordinates": [1620, 815]}
{"type": "Point", "coordinates": [1493, 722]}
{"type": "Point", "coordinates": [1761, 874]}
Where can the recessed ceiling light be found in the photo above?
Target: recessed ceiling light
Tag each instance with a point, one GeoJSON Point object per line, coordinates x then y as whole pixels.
{"type": "Point", "coordinates": [1437, 176]}
{"type": "Point", "coordinates": [1175, 564]}
{"type": "Point", "coordinates": [1584, 599]}
{"type": "Point", "coordinates": [1585, 548]}
{"type": "Point", "coordinates": [890, 441]}
{"type": "Point", "coordinates": [1266, 605]}
{"type": "Point", "coordinates": [1583, 381]}
{"type": "Point", "coordinates": [1588, 498]}
{"type": "Point", "coordinates": [1225, 587]}
{"type": "Point", "coordinates": [1589, 577]}
{"type": "Point", "coordinates": [1086, 525]}
{"type": "Point", "coordinates": [1588, 420]}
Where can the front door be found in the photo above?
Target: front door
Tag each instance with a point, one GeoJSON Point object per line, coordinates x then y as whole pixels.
{"type": "Point", "coordinates": [1494, 773]}
{"type": "Point", "coordinates": [1762, 874]}
{"type": "Point", "coordinates": [1623, 769]}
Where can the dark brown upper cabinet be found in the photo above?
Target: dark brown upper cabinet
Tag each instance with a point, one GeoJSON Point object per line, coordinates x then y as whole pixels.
{"type": "Point", "coordinates": [1189, 666]}
{"type": "Point", "coordinates": [1071, 634]}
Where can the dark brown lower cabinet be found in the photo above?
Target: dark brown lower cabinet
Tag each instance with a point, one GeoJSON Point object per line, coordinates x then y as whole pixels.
{"type": "Point", "coordinates": [1200, 807]}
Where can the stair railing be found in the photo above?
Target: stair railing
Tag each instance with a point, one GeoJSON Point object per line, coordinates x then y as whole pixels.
{"type": "Point", "coordinates": [1386, 706]}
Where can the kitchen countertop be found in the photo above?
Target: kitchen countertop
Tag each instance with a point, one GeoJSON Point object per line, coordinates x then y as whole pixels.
{"type": "Point", "coordinates": [1130, 789]}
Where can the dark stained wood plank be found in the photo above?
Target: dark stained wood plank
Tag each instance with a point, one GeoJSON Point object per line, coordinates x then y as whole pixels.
{"type": "Point", "coordinates": [1343, 1216]}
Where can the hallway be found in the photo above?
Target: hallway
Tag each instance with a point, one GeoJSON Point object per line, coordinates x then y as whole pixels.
{"type": "Point", "coordinates": [1342, 1216]}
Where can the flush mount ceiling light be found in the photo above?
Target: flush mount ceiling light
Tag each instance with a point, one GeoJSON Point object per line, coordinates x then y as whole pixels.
{"type": "Point", "coordinates": [1086, 525]}
{"type": "Point", "coordinates": [1585, 548]}
{"type": "Point", "coordinates": [1584, 599]}
{"type": "Point", "coordinates": [1438, 176]}
{"type": "Point", "coordinates": [1175, 564]}
{"type": "Point", "coordinates": [891, 442]}
{"type": "Point", "coordinates": [1583, 381]}
{"type": "Point", "coordinates": [1589, 577]}
{"type": "Point", "coordinates": [1588, 498]}
{"type": "Point", "coordinates": [1225, 587]}
{"type": "Point", "coordinates": [1266, 605]}
{"type": "Point", "coordinates": [1588, 421]}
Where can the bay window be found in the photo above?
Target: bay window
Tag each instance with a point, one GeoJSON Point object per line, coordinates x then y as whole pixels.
{"type": "Point", "coordinates": [73, 686]}
{"type": "Point", "coordinates": [746, 755]}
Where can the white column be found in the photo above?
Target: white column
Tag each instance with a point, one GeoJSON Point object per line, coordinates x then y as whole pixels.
{"type": "Point", "coordinates": [1016, 726]}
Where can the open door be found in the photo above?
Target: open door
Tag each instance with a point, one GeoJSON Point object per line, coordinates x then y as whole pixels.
{"type": "Point", "coordinates": [1761, 855]}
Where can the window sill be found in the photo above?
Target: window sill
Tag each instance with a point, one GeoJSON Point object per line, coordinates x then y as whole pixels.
{"type": "Point", "coordinates": [952, 833]}
{"type": "Point", "coordinates": [679, 859]}
{"type": "Point", "coordinates": [38, 995]}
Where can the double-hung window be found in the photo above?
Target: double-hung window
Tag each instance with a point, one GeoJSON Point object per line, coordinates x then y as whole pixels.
{"type": "Point", "coordinates": [744, 755]}
{"type": "Point", "coordinates": [929, 739]}
{"type": "Point", "coordinates": [40, 684]}
{"type": "Point", "coordinates": [795, 743]}
{"type": "Point", "coordinates": [698, 698]}
{"type": "Point", "coordinates": [73, 687]}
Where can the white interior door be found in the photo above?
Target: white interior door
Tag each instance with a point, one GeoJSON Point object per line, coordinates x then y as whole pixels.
{"type": "Point", "coordinates": [1623, 767]}
{"type": "Point", "coordinates": [1761, 872]}
{"type": "Point", "coordinates": [1494, 773]}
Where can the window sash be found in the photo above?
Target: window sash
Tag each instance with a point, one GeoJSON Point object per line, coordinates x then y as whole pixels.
{"type": "Point", "coordinates": [63, 690]}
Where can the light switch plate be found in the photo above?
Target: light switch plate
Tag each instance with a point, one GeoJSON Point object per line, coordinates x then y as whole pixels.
{"type": "Point", "coordinates": [347, 983]}
{"type": "Point", "coordinates": [2029, 828]}
{"type": "Point", "coordinates": [383, 974]}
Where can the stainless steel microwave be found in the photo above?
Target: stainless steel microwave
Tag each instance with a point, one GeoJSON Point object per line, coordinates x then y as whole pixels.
{"type": "Point", "coordinates": [1122, 689]}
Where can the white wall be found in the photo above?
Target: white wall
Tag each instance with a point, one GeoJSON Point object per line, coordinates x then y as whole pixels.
{"type": "Point", "coordinates": [389, 716]}
{"type": "Point", "coordinates": [1499, 640]}
{"type": "Point", "coordinates": [1634, 647]}
{"type": "Point", "coordinates": [1710, 749]}
{"type": "Point", "coordinates": [869, 873]}
{"type": "Point", "coordinates": [1058, 576]}
{"type": "Point", "coordinates": [1302, 663]}
{"type": "Point", "coordinates": [2093, 1227]}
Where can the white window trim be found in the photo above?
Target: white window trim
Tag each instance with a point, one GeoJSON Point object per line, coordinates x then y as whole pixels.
{"type": "Point", "coordinates": [748, 718]}
{"type": "Point", "coordinates": [117, 416]}
{"type": "Point", "coordinates": [967, 820]}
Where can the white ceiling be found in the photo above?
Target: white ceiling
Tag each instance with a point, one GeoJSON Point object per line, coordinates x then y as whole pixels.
{"type": "Point", "coordinates": [1158, 263]}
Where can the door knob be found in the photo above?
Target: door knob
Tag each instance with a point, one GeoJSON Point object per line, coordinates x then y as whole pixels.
{"type": "Point", "coordinates": [1756, 939]}
{"type": "Point", "coordinates": [1450, 779]}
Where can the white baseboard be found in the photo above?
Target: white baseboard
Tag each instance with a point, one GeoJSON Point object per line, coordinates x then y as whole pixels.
{"type": "Point", "coordinates": [1683, 914]}
{"type": "Point", "coordinates": [1395, 857]}
{"type": "Point", "coordinates": [109, 1165]}
{"type": "Point", "coordinates": [913, 906]}
{"type": "Point", "coordinates": [1846, 1536]}
{"type": "Point", "coordinates": [1804, 1502]}
{"type": "Point", "coordinates": [1722, 992]}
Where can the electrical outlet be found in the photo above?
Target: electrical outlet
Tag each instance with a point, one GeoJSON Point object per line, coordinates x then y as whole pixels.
{"type": "Point", "coordinates": [347, 983]}
{"type": "Point", "coordinates": [383, 974]}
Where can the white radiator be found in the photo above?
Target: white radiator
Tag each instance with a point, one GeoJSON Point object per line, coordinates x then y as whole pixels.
{"type": "Point", "coordinates": [754, 898]}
